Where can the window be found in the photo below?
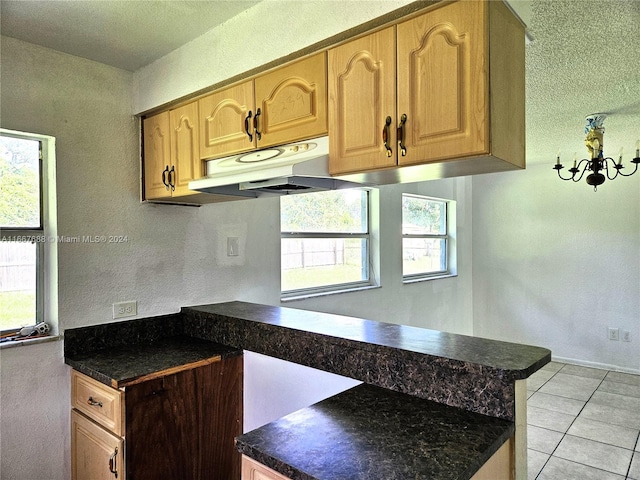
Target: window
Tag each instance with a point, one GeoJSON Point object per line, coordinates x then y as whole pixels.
{"type": "Point", "coordinates": [427, 239]}
{"type": "Point", "coordinates": [325, 245]}
{"type": "Point", "coordinates": [23, 229]}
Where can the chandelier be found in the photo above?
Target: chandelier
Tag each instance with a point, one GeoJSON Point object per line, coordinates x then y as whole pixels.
{"type": "Point", "coordinates": [597, 163]}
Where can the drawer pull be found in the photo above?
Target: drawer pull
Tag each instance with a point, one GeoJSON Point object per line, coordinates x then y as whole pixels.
{"type": "Point", "coordinates": [385, 137]}
{"type": "Point", "coordinates": [94, 403]}
{"type": "Point", "coordinates": [400, 134]}
{"type": "Point", "coordinates": [113, 468]}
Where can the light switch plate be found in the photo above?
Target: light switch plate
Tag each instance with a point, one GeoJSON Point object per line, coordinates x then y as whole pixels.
{"type": "Point", "coordinates": [233, 246]}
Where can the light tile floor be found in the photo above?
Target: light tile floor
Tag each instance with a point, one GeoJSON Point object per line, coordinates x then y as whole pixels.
{"type": "Point", "coordinates": [583, 424]}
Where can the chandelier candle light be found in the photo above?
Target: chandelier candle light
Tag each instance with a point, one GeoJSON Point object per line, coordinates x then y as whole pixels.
{"type": "Point", "coordinates": [597, 163]}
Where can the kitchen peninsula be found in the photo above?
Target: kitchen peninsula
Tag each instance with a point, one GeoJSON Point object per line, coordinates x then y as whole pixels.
{"type": "Point", "coordinates": [478, 381]}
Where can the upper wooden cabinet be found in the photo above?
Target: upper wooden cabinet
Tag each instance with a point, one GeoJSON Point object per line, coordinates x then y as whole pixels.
{"type": "Point", "coordinates": [284, 105]}
{"type": "Point", "coordinates": [171, 153]}
{"type": "Point", "coordinates": [459, 106]}
{"type": "Point", "coordinates": [362, 95]}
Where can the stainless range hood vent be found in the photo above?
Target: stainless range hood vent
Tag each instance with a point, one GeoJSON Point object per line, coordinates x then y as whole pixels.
{"type": "Point", "coordinates": [294, 168]}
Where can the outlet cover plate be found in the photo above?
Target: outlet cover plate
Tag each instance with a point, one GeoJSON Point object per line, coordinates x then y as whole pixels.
{"type": "Point", "coordinates": [614, 334]}
{"type": "Point", "coordinates": [125, 309]}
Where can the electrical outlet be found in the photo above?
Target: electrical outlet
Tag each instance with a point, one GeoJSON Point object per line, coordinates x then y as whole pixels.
{"type": "Point", "coordinates": [614, 334]}
{"type": "Point", "coordinates": [626, 336]}
{"type": "Point", "coordinates": [125, 309]}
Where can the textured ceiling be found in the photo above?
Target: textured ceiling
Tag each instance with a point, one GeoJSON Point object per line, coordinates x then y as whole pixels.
{"type": "Point", "coordinates": [127, 34]}
{"type": "Point", "coordinates": [584, 57]}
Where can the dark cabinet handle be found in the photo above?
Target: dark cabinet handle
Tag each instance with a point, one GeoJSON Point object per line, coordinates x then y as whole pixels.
{"type": "Point", "coordinates": [172, 178]}
{"type": "Point", "coordinates": [247, 123]}
{"type": "Point", "coordinates": [164, 176]}
{"type": "Point", "coordinates": [113, 468]}
{"type": "Point", "coordinates": [403, 148]}
{"type": "Point", "coordinates": [385, 136]}
{"type": "Point", "coordinates": [256, 124]}
{"type": "Point", "coordinates": [94, 403]}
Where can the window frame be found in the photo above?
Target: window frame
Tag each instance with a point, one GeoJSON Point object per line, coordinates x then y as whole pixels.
{"type": "Point", "coordinates": [329, 289]}
{"type": "Point", "coordinates": [44, 235]}
{"type": "Point", "coordinates": [449, 237]}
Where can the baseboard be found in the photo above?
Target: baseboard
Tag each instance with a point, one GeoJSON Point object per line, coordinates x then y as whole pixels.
{"type": "Point", "coordinates": [603, 366]}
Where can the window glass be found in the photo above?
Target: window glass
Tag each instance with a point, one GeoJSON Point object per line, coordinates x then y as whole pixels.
{"type": "Point", "coordinates": [324, 241]}
{"type": "Point", "coordinates": [19, 183]}
{"type": "Point", "coordinates": [337, 211]}
{"type": "Point", "coordinates": [425, 237]}
{"type": "Point", "coordinates": [21, 248]}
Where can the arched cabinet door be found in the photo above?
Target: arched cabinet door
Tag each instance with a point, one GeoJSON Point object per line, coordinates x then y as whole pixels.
{"type": "Point", "coordinates": [185, 148]}
{"type": "Point", "coordinates": [443, 83]}
{"type": "Point", "coordinates": [362, 103]}
{"type": "Point", "coordinates": [157, 160]}
{"type": "Point", "coordinates": [291, 102]}
{"type": "Point", "coordinates": [226, 121]}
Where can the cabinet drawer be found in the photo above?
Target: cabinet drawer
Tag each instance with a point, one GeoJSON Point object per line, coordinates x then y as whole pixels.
{"type": "Point", "coordinates": [252, 470]}
{"type": "Point", "coordinates": [99, 402]}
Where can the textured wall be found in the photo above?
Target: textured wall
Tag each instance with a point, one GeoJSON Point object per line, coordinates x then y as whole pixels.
{"type": "Point", "coordinates": [556, 264]}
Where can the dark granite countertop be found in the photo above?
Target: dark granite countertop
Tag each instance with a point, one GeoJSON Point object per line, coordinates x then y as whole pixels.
{"type": "Point", "coordinates": [120, 366]}
{"type": "Point", "coordinates": [519, 360]}
{"type": "Point", "coordinates": [473, 373]}
{"type": "Point", "coordinates": [369, 432]}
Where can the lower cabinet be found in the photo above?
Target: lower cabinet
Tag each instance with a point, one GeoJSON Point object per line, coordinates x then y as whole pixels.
{"type": "Point", "coordinates": [252, 470]}
{"type": "Point", "coordinates": [97, 453]}
{"type": "Point", "coordinates": [180, 426]}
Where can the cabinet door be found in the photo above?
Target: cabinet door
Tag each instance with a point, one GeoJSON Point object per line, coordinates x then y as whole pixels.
{"type": "Point", "coordinates": [252, 470]}
{"type": "Point", "coordinates": [292, 102]}
{"type": "Point", "coordinates": [190, 419]}
{"type": "Point", "coordinates": [442, 83]}
{"type": "Point", "coordinates": [362, 96]}
{"type": "Point", "coordinates": [185, 155]}
{"type": "Point", "coordinates": [226, 121]}
{"type": "Point", "coordinates": [156, 156]}
{"type": "Point", "coordinates": [96, 454]}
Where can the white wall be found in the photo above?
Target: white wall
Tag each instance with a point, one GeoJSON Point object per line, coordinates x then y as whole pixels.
{"type": "Point", "coordinates": [556, 264]}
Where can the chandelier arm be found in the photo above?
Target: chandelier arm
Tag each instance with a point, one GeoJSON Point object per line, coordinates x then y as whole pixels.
{"type": "Point", "coordinates": [576, 169]}
{"type": "Point", "coordinates": [605, 163]}
{"type": "Point", "coordinates": [636, 161]}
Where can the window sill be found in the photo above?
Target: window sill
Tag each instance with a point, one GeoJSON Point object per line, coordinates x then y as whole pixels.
{"type": "Point", "coordinates": [324, 294]}
{"type": "Point", "coordinates": [425, 279]}
{"type": "Point", "coordinates": [29, 341]}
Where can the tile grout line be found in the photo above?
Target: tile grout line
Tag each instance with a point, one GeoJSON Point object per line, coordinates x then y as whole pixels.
{"type": "Point", "coordinates": [564, 434]}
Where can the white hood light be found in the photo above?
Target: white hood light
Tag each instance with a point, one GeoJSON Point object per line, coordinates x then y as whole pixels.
{"type": "Point", "coordinates": [294, 168]}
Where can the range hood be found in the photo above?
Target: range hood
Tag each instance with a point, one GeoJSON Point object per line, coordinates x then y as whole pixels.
{"type": "Point", "coordinates": [299, 167]}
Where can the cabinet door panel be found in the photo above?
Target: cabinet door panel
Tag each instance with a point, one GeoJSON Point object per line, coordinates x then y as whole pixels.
{"type": "Point", "coordinates": [222, 121]}
{"type": "Point", "coordinates": [442, 79]}
{"type": "Point", "coordinates": [362, 78]}
{"type": "Point", "coordinates": [293, 102]}
{"type": "Point", "coordinates": [156, 155]}
{"type": "Point", "coordinates": [94, 451]}
{"type": "Point", "coordinates": [185, 155]}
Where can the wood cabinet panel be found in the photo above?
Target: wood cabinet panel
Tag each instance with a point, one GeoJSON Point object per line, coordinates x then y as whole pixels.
{"type": "Point", "coordinates": [193, 417]}
{"type": "Point", "coordinates": [292, 102]}
{"type": "Point", "coordinates": [157, 147]}
{"type": "Point", "coordinates": [222, 121]}
{"type": "Point", "coordinates": [252, 470]}
{"type": "Point", "coordinates": [99, 402]}
{"type": "Point", "coordinates": [362, 78]}
{"type": "Point", "coordinates": [185, 154]}
{"type": "Point", "coordinates": [442, 83]}
{"type": "Point", "coordinates": [97, 453]}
